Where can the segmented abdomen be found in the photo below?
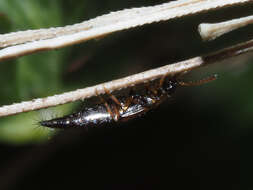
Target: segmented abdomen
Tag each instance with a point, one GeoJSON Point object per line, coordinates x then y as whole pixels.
{"type": "Point", "coordinates": [87, 117]}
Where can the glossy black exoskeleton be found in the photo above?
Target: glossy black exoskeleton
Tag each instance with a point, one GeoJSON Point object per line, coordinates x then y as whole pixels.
{"type": "Point", "coordinates": [122, 108]}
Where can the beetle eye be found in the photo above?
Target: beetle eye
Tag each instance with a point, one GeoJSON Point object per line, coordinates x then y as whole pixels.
{"type": "Point", "coordinates": [169, 87]}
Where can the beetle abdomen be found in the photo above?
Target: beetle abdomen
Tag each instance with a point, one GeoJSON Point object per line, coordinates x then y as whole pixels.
{"type": "Point", "coordinates": [87, 117]}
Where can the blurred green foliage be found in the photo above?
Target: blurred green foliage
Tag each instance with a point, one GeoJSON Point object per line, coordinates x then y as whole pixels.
{"type": "Point", "coordinates": [31, 76]}
{"type": "Point", "coordinates": [115, 56]}
{"type": "Point", "coordinates": [37, 75]}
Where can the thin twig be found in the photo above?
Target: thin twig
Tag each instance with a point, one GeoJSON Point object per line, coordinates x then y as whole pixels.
{"type": "Point", "coordinates": [170, 70]}
{"type": "Point", "coordinates": [212, 31]}
{"type": "Point", "coordinates": [121, 20]}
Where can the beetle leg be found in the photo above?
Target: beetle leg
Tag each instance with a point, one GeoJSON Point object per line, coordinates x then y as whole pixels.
{"type": "Point", "coordinates": [133, 98]}
{"type": "Point", "coordinates": [106, 105]}
{"type": "Point", "coordinates": [162, 80]}
{"type": "Point", "coordinates": [128, 103]}
{"type": "Point", "coordinates": [150, 90]}
{"type": "Point", "coordinates": [116, 111]}
{"type": "Point", "coordinates": [112, 97]}
{"type": "Point", "coordinates": [123, 106]}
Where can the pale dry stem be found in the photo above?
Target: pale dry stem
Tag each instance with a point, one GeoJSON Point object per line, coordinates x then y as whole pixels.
{"type": "Point", "coordinates": [212, 31]}
{"type": "Point", "coordinates": [28, 42]}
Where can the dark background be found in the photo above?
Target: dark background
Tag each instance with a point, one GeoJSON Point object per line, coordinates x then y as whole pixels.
{"type": "Point", "coordinates": [200, 139]}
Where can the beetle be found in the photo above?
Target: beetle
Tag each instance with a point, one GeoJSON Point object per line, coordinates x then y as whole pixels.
{"type": "Point", "coordinates": [123, 108]}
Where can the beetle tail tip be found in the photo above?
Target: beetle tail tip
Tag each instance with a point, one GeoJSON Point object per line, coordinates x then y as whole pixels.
{"type": "Point", "coordinates": [47, 123]}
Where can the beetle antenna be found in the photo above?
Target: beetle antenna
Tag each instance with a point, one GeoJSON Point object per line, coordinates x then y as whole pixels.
{"type": "Point", "coordinates": [200, 82]}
